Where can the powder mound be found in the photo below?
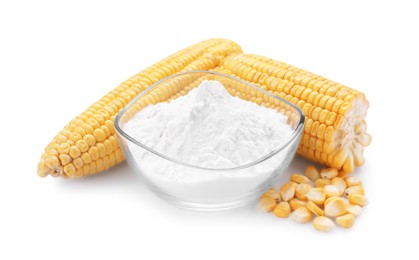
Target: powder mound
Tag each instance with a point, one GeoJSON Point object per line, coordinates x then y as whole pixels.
{"type": "Point", "coordinates": [210, 128]}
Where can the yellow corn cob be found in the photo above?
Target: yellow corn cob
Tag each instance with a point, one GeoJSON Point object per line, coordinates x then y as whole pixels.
{"type": "Point", "coordinates": [88, 143]}
{"type": "Point", "coordinates": [335, 129]}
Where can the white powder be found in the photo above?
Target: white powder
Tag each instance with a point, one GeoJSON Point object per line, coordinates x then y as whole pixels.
{"type": "Point", "coordinates": [212, 129]}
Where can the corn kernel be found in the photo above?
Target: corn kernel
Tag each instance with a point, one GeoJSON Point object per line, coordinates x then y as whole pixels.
{"type": "Point", "coordinates": [78, 163]}
{"type": "Point", "coordinates": [65, 159]}
{"type": "Point", "coordinates": [343, 174]}
{"type": "Point", "coordinates": [86, 158]}
{"type": "Point", "coordinates": [298, 178]}
{"type": "Point", "coordinates": [340, 184]}
{"type": "Point", "coordinates": [296, 203]}
{"type": "Point", "coordinates": [69, 169]}
{"type": "Point", "coordinates": [352, 181]}
{"type": "Point", "coordinates": [329, 173]}
{"type": "Point", "coordinates": [82, 145]}
{"type": "Point", "coordinates": [301, 190]}
{"type": "Point", "coordinates": [323, 224]}
{"type": "Point", "coordinates": [312, 173]}
{"type": "Point", "coordinates": [328, 200]}
{"type": "Point", "coordinates": [74, 152]}
{"type": "Point", "coordinates": [273, 193]}
{"type": "Point", "coordinates": [64, 148]}
{"type": "Point", "coordinates": [354, 190]}
{"type": "Point", "coordinates": [355, 210]}
{"type": "Point", "coordinates": [317, 195]}
{"type": "Point", "coordinates": [320, 183]}
{"type": "Point", "coordinates": [99, 135]}
{"type": "Point", "coordinates": [302, 215]}
{"type": "Point", "coordinates": [288, 191]}
{"type": "Point", "coordinates": [331, 191]}
{"type": "Point", "coordinates": [314, 208]}
{"type": "Point", "coordinates": [358, 199]}
{"type": "Point", "coordinates": [266, 204]}
{"type": "Point", "coordinates": [90, 139]}
{"type": "Point", "coordinates": [346, 220]}
{"type": "Point", "coordinates": [52, 161]}
{"type": "Point", "coordinates": [102, 149]}
{"type": "Point", "coordinates": [335, 207]}
{"type": "Point", "coordinates": [282, 210]}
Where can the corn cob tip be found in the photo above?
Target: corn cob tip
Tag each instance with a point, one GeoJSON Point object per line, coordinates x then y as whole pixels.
{"type": "Point", "coordinates": [44, 170]}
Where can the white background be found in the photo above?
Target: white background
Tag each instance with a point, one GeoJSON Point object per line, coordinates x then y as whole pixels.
{"type": "Point", "coordinates": [58, 58]}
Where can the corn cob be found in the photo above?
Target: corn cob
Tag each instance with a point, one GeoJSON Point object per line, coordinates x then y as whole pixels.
{"type": "Point", "coordinates": [335, 129]}
{"type": "Point", "coordinates": [88, 143]}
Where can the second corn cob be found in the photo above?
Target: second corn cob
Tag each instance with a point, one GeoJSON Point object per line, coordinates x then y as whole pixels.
{"type": "Point", "coordinates": [335, 130]}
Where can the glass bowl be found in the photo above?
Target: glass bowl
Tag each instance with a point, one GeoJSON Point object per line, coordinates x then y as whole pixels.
{"type": "Point", "coordinates": [210, 189]}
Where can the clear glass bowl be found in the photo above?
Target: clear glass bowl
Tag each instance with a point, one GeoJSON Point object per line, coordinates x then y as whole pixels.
{"type": "Point", "coordinates": [210, 189]}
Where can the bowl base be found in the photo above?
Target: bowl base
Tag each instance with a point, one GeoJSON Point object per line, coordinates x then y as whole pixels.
{"type": "Point", "coordinates": [209, 207]}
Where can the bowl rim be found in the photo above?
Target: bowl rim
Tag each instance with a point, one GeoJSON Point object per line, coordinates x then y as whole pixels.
{"type": "Point", "coordinates": [295, 134]}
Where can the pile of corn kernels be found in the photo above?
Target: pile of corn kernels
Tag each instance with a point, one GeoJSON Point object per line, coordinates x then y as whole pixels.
{"type": "Point", "coordinates": [335, 195]}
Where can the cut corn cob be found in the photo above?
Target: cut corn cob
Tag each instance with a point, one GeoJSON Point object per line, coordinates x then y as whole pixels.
{"type": "Point", "coordinates": [88, 143]}
{"type": "Point", "coordinates": [335, 129]}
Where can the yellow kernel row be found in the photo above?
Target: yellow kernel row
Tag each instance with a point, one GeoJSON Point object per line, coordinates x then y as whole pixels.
{"type": "Point", "coordinates": [327, 194]}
